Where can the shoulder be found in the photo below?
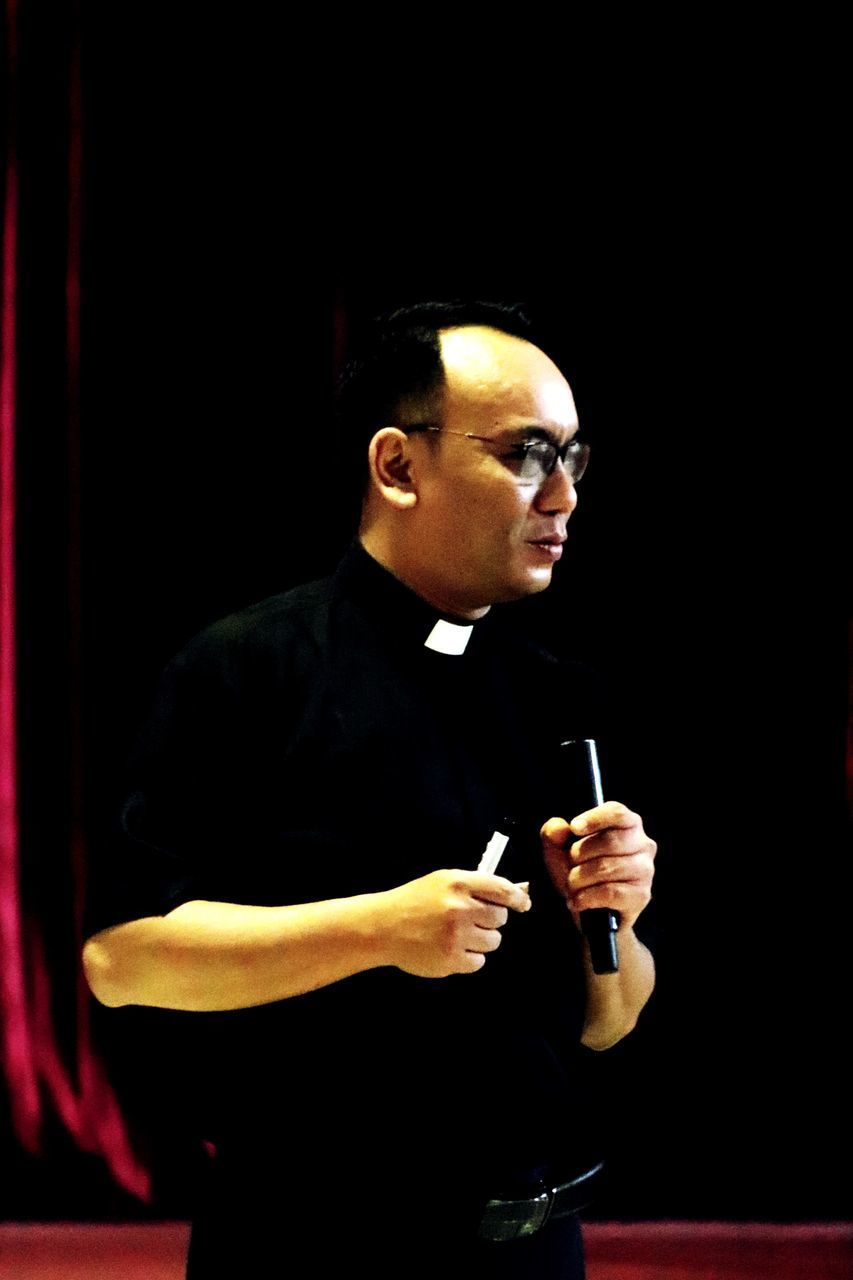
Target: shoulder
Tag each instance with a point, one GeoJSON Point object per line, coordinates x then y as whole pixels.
{"type": "Point", "coordinates": [288, 627]}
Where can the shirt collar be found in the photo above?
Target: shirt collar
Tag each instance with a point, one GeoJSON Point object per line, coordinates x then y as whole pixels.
{"type": "Point", "coordinates": [449, 637]}
{"type": "Point", "coordinates": [401, 610]}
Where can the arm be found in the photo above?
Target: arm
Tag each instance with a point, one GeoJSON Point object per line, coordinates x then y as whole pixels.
{"type": "Point", "coordinates": [221, 955]}
{"type": "Point", "coordinates": [610, 865]}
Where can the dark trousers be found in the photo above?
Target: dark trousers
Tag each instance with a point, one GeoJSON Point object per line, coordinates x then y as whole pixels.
{"type": "Point", "coordinates": [241, 1232]}
{"type": "Point", "coordinates": [554, 1253]}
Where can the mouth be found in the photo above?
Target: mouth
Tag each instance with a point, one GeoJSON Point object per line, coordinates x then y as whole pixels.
{"type": "Point", "coordinates": [551, 548]}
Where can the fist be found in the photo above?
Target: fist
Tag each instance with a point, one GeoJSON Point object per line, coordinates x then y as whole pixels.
{"type": "Point", "coordinates": [610, 864]}
{"type": "Point", "coordinates": [448, 921]}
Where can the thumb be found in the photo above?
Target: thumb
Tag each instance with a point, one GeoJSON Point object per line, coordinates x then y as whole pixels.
{"type": "Point", "coordinates": [556, 832]}
{"type": "Point", "coordinates": [556, 835]}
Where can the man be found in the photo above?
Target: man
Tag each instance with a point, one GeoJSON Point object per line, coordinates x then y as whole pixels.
{"type": "Point", "coordinates": [300, 844]}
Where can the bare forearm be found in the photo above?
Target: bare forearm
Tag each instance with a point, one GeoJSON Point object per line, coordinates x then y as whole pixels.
{"type": "Point", "coordinates": [615, 1000]}
{"type": "Point", "coordinates": [218, 955]}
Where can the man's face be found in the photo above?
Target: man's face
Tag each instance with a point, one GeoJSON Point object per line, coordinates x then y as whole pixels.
{"type": "Point", "coordinates": [483, 535]}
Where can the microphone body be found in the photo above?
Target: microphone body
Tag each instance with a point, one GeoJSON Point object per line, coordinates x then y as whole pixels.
{"type": "Point", "coordinates": [598, 924]}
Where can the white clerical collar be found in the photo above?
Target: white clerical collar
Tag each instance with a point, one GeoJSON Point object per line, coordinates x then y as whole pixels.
{"type": "Point", "coordinates": [449, 637]}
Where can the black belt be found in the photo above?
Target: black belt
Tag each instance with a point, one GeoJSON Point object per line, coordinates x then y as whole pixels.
{"type": "Point", "coordinates": [512, 1219]}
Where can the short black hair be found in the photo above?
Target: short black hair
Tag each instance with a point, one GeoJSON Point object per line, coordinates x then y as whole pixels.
{"type": "Point", "coordinates": [394, 378]}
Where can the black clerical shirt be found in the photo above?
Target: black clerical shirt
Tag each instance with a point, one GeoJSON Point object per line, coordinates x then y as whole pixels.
{"type": "Point", "coordinates": [313, 747]}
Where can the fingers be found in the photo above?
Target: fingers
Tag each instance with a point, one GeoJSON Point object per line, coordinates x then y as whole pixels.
{"type": "Point", "coordinates": [610, 828]}
{"type": "Point", "coordinates": [484, 940]}
{"type": "Point", "coordinates": [557, 832]}
{"type": "Point", "coordinates": [627, 900]}
{"type": "Point", "coordinates": [448, 921]}
{"type": "Point", "coordinates": [615, 842]}
{"type": "Point", "coordinates": [636, 871]}
{"type": "Point", "coordinates": [621, 883]}
{"type": "Point", "coordinates": [609, 814]}
{"type": "Point", "coordinates": [624, 896]}
{"type": "Point", "coordinates": [487, 916]}
{"type": "Point", "coordinates": [493, 898]}
{"type": "Point", "coordinates": [602, 858]}
{"type": "Point", "coordinates": [496, 890]}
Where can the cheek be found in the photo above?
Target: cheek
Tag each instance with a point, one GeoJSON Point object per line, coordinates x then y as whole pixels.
{"type": "Point", "coordinates": [479, 511]}
{"type": "Point", "coordinates": [499, 505]}
{"type": "Point", "coordinates": [507, 518]}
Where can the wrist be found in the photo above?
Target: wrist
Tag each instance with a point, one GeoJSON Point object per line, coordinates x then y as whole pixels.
{"type": "Point", "coordinates": [370, 922]}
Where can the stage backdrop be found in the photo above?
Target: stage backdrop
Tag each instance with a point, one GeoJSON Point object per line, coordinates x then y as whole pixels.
{"type": "Point", "coordinates": [186, 255]}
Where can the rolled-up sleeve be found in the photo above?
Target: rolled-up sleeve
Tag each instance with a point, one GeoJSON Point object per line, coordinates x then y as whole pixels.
{"type": "Point", "coordinates": [177, 812]}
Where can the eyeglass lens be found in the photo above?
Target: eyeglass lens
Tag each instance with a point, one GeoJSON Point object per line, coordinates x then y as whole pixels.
{"type": "Point", "coordinates": [540, 459]}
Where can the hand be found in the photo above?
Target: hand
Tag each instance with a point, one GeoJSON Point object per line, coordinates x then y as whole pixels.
{"type": "Point", "coordinates": [612, 865]}
{"type": "Point", "coordinates": [448, 921]}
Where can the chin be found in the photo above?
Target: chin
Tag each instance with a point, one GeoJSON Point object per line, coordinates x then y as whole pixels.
{"type": "Point", "coordinates": [529, 586]}
{"type": "Point", "coordinates": [539, 584]}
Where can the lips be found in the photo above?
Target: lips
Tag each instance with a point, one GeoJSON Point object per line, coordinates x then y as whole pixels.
{"type": "Point", "coordinates": [551, 546]}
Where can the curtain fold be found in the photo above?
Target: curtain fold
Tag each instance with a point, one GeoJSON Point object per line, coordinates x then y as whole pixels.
{"type": "Point", "coordinates": [18, 1049]}
{"type": "Point", "coordinates": [35, 1052]}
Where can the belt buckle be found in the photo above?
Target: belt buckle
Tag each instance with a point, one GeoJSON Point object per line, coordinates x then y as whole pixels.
{"type": "Point", "coordinates": [541, 1205]}
{"type": "Point", "coordinates": [516, 1219]}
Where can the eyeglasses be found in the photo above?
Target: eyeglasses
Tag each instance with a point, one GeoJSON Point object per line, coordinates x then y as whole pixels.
{"type": "Point", "coordinates": [531, 461]}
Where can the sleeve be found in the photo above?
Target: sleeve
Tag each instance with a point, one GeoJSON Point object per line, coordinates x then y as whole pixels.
{"type": "Point", "coordinates": [180, 807]}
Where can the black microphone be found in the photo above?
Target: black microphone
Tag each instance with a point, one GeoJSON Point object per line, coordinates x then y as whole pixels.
{"type": "Point", "coordinates": [598, 924]}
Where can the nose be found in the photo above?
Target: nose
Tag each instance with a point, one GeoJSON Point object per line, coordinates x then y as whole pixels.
{"type": "Point", "coordinates": [557, 492]}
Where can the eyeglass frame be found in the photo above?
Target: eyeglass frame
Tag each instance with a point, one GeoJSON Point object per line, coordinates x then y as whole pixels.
{"type": "Point", "coordinates": [560, 452]}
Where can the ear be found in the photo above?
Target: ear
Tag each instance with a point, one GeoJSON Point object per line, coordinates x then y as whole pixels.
{"type": "Point", "coordinates": [390, 462]}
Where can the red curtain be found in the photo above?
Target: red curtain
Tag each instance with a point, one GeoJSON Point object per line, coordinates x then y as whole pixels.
{"type": "Point", "coordinates": [35, 1062]}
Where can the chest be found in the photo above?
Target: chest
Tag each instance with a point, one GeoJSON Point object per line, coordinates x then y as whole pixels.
{"type": "Point", "coordinates": [389, 766]}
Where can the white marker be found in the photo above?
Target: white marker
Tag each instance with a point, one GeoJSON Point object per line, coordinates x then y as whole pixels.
{"type": "Point", "coordinates": [493, 853]}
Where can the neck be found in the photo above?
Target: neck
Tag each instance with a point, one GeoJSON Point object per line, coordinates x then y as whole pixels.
{"type": "Point", "coordinates": [393, 557]}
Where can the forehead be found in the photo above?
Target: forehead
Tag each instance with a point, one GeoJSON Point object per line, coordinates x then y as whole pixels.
{"type": "Point", "coordinates": [494, 377]}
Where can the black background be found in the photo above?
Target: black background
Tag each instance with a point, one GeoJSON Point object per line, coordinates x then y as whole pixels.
{"type": "Point", "coordinates": [238, 224]}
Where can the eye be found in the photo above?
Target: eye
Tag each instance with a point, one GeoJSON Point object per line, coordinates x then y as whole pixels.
{"type": "Point", "coordinates": [529, 449]}
{"type": "Point", "coordinates": [527, 456]}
